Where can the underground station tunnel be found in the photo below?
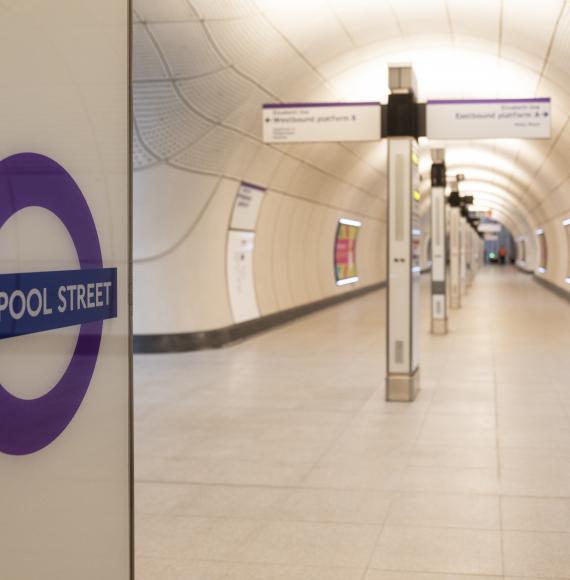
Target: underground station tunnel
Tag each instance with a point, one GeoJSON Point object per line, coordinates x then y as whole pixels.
{"type": "Point", "coordinates": [284, 290]}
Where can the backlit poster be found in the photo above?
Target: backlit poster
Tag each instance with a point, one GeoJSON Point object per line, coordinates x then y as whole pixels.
{"type": "Point", "coordinates": [543, 250]}
{"type": "Point", "coordinates": [566, 224]}
{"type": "Point", "coordinates": [345, 251]}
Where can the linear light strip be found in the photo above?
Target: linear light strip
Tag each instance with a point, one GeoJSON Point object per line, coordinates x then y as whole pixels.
{"type": "Point", "coordinates": [566, 222]}
{"type": "Point", "coordinates": [347, 222]}
{"type": "Point", "coordinates": [347, 281]}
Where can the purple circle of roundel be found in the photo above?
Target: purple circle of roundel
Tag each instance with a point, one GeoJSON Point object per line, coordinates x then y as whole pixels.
{"type": "Point", "coordinates": [32, 180]}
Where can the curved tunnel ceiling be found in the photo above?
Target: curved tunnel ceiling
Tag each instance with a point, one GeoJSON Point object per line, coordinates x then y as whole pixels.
{"type": "Point", "coordinates": [188, 52]}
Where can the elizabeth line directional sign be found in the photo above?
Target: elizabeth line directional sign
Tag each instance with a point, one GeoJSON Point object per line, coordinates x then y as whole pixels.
{"type": "Point", "coordinates": [489, 119]}
{"type": "Point", "coordinates": [321, 122]}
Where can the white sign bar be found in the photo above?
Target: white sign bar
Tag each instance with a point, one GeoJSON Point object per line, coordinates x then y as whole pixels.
{"type": "Point", "coordinates": [489, 228]}
{"type": "Point", "coordinates": [321, 122]}
{"type": "Point", "coordinates": [491, 237]}
{"type": "Point", "coordinates": [489, 119]}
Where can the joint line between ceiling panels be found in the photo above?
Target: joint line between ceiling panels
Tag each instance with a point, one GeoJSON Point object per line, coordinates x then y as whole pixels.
{"type": "Point", "coordinates": [395, 15]}
{"type": "Point", "coordinates": [538, 83]}
{"type": "Point", "coordinates": [500, 37]}
{"type": "Point", "coordinates": [449, 22]}
{"type": "Point", "coordinates": [545, 158]}
{"type": "Point", "coordinates": [551, 45]}
{"type": "Point", "coordinates": [342, 24]}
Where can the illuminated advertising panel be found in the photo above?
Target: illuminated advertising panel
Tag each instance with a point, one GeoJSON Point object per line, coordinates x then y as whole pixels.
{"type": "Point", "coordinates": [543, 250]}
{"type": "Point", "coordinates": [345, 252]}
{"type": "Point", "coordinates": [566, 224]}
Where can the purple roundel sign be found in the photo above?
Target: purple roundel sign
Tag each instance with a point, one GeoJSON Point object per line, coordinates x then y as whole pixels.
{"type": "Point", "coordinates": [41, 301]}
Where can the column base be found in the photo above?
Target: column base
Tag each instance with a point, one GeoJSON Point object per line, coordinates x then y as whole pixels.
{"type": "Point", "coordinates": [403, 388]}
{"type": "Point", "coordinates": [439, 326]}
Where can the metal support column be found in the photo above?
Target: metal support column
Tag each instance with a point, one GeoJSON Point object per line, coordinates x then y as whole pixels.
{"type": "Point", "coordinates": [438, 244]}
{"type": "Point", "coordinates": [454, 258]}
{"type": "Point", "coordinates": [403, 259]}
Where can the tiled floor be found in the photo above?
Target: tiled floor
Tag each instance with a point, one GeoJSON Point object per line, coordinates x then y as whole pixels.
{"type": "Point", "coordinates": [278, 458]}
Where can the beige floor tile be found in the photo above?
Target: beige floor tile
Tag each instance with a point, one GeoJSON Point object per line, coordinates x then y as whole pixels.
{"type": "Point", "coordinates": [313, 544]}
{"type": "Point", "coordinates": [180, 537]}
{"type": "Point", "coordinates": [229, 471]}
{"type": "Point", "coordinates": [552, 482]}
{"type": "Point", "coordinates": [356, 475]}
{"type": "Point", "coordinates": [379, 575]}
{"type": "Point", "coordinates": [536, 514]}
{"type": "Point", "coordinates": [328, 505]}
{"type": "Point", "coordinates": [209, 500]}
{"type": "Point", "coordinates": [450, 480]}
{"type": "Point", "coordinates": [450, 456]}
{"type": "Point", "coordinates": [445, 510]}
{"type": "Point", "coordinates": [537, 554]}
{"type": "Point", "coordinates": [207, 570]}
{"type": "Point", "coordinates": [439, 550]}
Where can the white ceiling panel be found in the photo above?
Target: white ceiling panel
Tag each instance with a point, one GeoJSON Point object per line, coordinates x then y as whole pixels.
{"type": "Point", "coordinates": [186, 48]}
{"type": "Point", "coordinates": [476, 19]}
{"type": "Point", "coordinates": [528, 25]}
{"type": "Point", "coordinates": [223, 9]}
{"type": "Point", "coordinates": [240, 40]}
{"type": "Point", "coordinates": [148, 64]}
{"type": "Point", "coordinates": [165, 123]}
{"type": "Point", "coordinates": [366, 21]}
{"type": "Point", "coordinates": [141, 156]}
{"type": "Point", "coordinates": [422, 18]}
{"type": "Point", "coordinates": [211, 153]}
{"type": "Point", "coordinates": [559, 60]}
{"type": "Point", "coordinates": [164, 10]}
{"type": "Point", "coordinates": [247, 116]}
{"type": "Point", "coordinates": [217, 95]}
{"type": "Point", "coordinates": [318, 35]}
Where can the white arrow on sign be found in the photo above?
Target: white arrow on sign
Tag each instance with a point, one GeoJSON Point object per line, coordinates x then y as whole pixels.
{"type": "Point", "coordinates": [489, 119]}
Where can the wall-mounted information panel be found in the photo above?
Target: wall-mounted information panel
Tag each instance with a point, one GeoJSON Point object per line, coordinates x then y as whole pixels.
{"type": "Point", "coordinates": [321, 122]}
{"type": "Point", "coordinates": [65, 259]}
{"type": "Point", "coordinates": [247, 204]}
{"type": "Point", "coordinates": [345, 251]}
{"type": "Point", "coordinates": [241, 246]}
